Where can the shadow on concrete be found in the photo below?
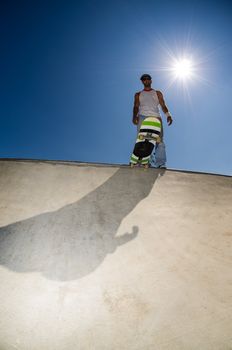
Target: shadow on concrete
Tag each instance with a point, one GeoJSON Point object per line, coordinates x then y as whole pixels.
{"type": "Point", "coordinates": [71, 242]}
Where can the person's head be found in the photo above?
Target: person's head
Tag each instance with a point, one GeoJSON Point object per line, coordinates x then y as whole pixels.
{"type": "Point", "coordinates": [146, 80]}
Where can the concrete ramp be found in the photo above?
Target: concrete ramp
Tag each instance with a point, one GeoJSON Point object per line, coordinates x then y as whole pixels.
{"type": "Point", "coordinates": [112, 258]}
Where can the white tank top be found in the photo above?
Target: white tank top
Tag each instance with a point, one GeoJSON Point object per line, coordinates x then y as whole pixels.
{"type": "Point", "coordinates": [149, 103]}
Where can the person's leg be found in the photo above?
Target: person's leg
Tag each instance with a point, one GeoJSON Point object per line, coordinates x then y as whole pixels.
{"type": "Point", "coordinates": [159, 158]}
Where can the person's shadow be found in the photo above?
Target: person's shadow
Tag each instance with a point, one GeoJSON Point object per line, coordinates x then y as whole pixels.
{"type": "Point", "coordinates": [71, 242]}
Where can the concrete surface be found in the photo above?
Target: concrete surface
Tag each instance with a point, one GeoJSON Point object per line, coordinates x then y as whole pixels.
{"type": "Point", "coordinates": [113, 258]}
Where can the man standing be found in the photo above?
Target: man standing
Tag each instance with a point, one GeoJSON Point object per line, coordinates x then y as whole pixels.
{"type": "Point", "coordinates": [146, 104]}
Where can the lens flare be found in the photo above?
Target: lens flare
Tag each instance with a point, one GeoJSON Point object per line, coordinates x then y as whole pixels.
{"type": "Point", "coordinates": [182, 69]}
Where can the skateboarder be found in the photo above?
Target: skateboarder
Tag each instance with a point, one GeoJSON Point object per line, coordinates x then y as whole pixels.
{"type": "Point", "coordinates": [146, 104]}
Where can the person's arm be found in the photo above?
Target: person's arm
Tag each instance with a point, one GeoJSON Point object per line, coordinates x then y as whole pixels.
{"type": "Point", "coordinates": [164, 107]}
{"type": "Point", "coordinates": [136, 109]}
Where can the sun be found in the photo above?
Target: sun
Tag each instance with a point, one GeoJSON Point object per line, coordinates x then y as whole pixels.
{"type": "Point", "coordinates": [182, 66]}
{"type": "Point", "coordinates": [182, 69]}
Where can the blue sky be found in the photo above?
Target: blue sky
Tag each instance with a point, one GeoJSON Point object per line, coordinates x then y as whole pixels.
{"type": "Point", "coordinates": [69, 72]}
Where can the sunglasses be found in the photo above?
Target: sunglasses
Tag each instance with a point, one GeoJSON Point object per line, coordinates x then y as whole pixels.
{"type": "Point", "coordinates": [146, 79]}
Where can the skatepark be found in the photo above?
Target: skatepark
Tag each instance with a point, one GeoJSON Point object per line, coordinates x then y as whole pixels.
{"type": "Point", "coordinates": [105, 257]}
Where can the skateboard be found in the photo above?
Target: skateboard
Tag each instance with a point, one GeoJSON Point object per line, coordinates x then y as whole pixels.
{"type": "Point", "coordinates": [148, 136]}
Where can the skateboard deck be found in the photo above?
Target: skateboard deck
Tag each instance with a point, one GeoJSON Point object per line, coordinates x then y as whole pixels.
{"type": "Point", "coordinates": [148, 136]}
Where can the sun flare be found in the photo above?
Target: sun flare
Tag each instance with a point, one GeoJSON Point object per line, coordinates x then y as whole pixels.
{"type": "Point", "coordinates": [182, 69]}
